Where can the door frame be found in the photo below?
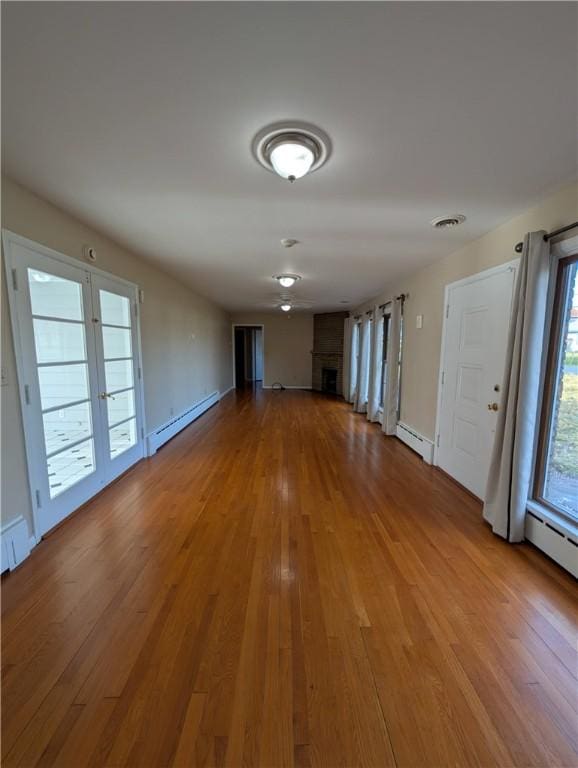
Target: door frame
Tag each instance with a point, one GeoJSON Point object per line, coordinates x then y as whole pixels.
{"type": "Point", "coordinates": [247, 325]}
{"type": "Point", "coordinates": [33, 469]}
{"type": "Point", "coordinates": [507, 266]}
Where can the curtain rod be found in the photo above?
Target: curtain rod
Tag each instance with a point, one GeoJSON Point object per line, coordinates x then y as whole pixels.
{"type": "Point", "coordinates": [518, 247]}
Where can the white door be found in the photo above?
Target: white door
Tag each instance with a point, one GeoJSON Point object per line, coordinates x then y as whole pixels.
{"type": "Point", "coordinates": [115, 306]}
{"type": "Point", "coordinates": [475, 338]}
{"type": "Point", "coordinates": [68, 360]}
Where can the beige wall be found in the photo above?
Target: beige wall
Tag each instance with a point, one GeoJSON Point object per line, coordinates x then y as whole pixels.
{"type": "Point", "coordinates": [288, 341]}
{"type": "Point", "coordinates": [186, 339]}
{"type": "Point", "coordinates": [421, 354]}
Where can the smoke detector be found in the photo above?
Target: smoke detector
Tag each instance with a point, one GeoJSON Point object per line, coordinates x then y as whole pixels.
{"type": "Point", "coordinates": [289, 242]}
{"type": "Point", "coordinates": [446, 222]}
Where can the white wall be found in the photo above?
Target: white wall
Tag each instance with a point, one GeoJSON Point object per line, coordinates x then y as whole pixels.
{"type": "Point", "coordinates": [186, 339]}
{"type": "Point", "coordinates": [425, 289]}
{"type": "Point", "coordinates": [287, 345]}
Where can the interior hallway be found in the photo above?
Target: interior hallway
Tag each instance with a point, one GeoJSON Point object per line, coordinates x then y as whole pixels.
{"type": "Point", "coordinates": [282, 585]}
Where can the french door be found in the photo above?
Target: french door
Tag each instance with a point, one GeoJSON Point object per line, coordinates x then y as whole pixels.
{"type": "Point", "coordinates": [76, 343]}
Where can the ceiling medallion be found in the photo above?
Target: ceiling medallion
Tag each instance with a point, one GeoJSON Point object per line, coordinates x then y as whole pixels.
{"type": "Point", "coordinates": [291, 149]}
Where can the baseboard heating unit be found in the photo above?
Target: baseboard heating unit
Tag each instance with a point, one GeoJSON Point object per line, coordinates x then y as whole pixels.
{"type": "Point", "coordinates": [170, 428]}
{"type": "Point", "coordinates": [416, 442]}
{"type": "Point", "coordinates": [558, 541]}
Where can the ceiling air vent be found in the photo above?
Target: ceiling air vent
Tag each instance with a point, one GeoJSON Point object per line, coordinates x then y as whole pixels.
{"type": "Point", "coordinates": [444, 222]}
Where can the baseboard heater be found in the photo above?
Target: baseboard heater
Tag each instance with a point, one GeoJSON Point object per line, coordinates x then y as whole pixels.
{"type": "Point", "coordinates": [416, 442]}
{"type": "Point", "coordinates": [16, 543]}
{"type": "Point", "coordinates": [555, 542]}
{"type": "Point", "coordinates": [164, 433]}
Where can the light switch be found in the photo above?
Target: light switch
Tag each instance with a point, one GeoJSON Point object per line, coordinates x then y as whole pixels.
{"type": "Point", "coordinates": [419, 321]}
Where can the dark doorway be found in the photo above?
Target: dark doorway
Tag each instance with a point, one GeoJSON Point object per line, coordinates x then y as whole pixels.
{"type": "Point", "coordinates": [248, 356]}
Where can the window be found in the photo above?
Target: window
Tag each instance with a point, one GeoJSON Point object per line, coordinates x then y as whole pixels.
{"type": "Point", "coordinates": [557, 468]}
{"type": "Point", "coordinates": [386, 323]}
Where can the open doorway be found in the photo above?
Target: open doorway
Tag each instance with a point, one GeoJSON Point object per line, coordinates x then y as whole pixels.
{"type": "Point", "coordinates": [248, 354]}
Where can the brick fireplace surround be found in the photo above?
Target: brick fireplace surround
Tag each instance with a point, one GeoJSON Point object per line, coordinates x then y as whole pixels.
{"type": "Point", "coordinates": [328, 349]}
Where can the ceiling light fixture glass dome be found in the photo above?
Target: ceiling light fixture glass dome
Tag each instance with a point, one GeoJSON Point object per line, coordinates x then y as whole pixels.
{"type": "Point", "coordinates": [286, 307]}
{"type": "Point", "coordinates": [287, 280]}
{"type": "Point", "coordinates": [292, 155]}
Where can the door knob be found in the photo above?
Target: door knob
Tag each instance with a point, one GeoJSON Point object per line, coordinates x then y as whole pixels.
{"type": "Point", "coordinates": [493, 406]}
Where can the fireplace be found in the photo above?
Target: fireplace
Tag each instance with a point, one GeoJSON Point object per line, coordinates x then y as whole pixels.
{"type": "Point", "coordinates": [329, 380]}
{"type": "Point", "coordinates": [327, 352]}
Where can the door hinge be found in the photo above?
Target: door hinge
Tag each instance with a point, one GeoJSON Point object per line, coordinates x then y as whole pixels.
{"type": "Point", "coordinates": [14, 280]}
{"type": "Point", "coordinates": [38, 503]}
{"type": "Point", "coordinates": [139, 372]}
{"type": "Point", "coordinates": [142, 432]}
{"type": "Point", "coordinates": [447, 310]}
{"type": "Point", "coordinates": [135, 309]}
{"type": "Point", "coordinates": [27, 394]}
{"type": "Point", "coordinates": [443, 377]}
{"type": "Point", "coordinates": [438, 440]}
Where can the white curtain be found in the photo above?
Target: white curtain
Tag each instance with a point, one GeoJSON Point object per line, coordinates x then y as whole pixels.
{"type": "Point", "coordinates": [353, 360]}
{"type": "Point", "coordinates": [360, 401]}
{"type": "Point", "coordinates": [347, 348]}
{"type": "Point", "coordinates": [391, 395]}
{"type": "Point", "coordinates": [376, 356]}
{"type": "Point", "coordinates": [512, 460]}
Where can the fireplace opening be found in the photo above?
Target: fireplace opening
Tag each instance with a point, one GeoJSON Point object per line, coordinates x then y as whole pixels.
{"type": "Point", "coordinates": [329, 380]}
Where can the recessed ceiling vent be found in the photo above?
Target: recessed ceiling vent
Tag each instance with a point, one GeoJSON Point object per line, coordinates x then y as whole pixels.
{"type": "Point", "coordinates": [445, 222]}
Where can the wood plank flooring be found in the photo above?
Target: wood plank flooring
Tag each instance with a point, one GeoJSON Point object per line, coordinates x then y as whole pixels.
{"type": "Point", "coordinates": [282, 585]}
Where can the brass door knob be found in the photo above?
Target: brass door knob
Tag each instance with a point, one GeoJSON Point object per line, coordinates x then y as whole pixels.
{"type": "Point", "coordinates": [493, 406]}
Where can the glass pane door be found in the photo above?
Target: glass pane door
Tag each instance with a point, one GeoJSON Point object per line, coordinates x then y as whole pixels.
{"type": "Point", "coordinates": [76, 342]}
{"type": "Point", "coordinates": [118, 370]}
{"type": "Point", "coordinates": [62, 366]}
{"type": "Point", "coordinates": [51, 306]}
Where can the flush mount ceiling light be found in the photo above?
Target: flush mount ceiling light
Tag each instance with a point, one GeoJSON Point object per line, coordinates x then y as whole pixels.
{"type": "Point", "coordinates": [291, 149]}
{"type": "Point", "coordinates": [285, 307]}
{"type": "Point", "coordinates": [446, 222]}
{"type": "Point", "coordinates": [287, 280]}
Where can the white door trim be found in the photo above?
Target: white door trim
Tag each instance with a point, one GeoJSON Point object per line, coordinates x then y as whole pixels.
{"type": "Point", "coordinates": [247, 325]}
{"type": "Point", "coordinates": [34, 471]}
{"type": "Point", "coordinates": [508, 265]}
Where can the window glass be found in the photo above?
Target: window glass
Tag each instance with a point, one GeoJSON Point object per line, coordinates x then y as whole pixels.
{"type": "Point", "coordinates": [560, 441]}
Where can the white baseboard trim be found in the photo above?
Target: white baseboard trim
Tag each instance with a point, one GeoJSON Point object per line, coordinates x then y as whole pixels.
{"type": "Point", "coordinates": [288, 386]}
{"type": "Point", "coordinates": [16, 543]}
{"type": "Point", "coordinates": [226, 392]}
{"type": "Point", "coordinates": [169, 429]}
{"type": "Point", "coordinates": [554, 537]}
{"type": "Point", "coordinates": [416, 442]}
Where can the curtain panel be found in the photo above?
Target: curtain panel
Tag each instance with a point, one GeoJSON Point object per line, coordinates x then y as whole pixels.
{"type": "Point", "coordinates": [511, 465]}
{"type": "Point", "coordinates": [347, 361]}
{"type": "Point", "coordinates": [374, 389]}
{"type": "Point", "coordinates": [360, 401]}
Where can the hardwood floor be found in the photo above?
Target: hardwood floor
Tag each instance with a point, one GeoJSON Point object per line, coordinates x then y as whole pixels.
{"type": "Point", "coordinates": [282, 585]}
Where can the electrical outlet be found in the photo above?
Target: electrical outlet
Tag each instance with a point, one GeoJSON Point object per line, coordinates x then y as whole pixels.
{"type": "Point", "coordinates": [419, 321]}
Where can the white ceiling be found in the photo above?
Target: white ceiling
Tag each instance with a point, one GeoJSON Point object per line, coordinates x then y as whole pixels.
{"type": "Point", "coordinates": [138, 118]}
